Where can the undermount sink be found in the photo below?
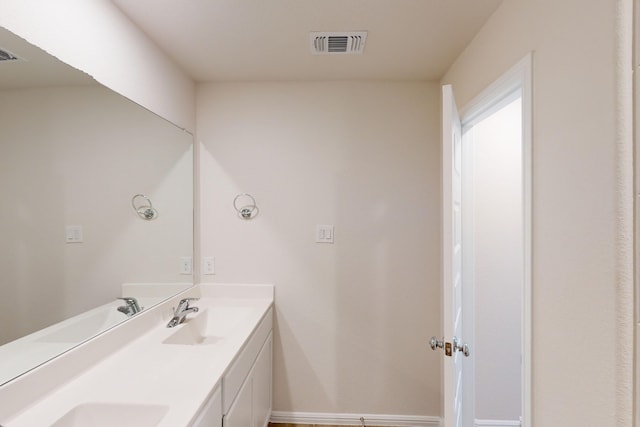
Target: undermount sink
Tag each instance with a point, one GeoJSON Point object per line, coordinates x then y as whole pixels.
{"type": "Point", "coordinates": [194, 332]}
{"type": "Point", "coordinates": [113, 414]}
{"type": "Point", "coordinates": [209, 326]}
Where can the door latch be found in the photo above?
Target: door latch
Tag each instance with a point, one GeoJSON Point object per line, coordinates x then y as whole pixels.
{"type": "Point", "coordinates": [436, 343]}
{"type": "Point", "coordinates": [447, 349]}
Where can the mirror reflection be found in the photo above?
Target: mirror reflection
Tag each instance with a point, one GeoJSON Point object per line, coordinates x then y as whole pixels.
{"type": "Point", "coordinates": [73, 154]}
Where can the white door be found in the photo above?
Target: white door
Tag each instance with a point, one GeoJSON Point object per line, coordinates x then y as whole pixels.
{"type": "Point", "coordinates": [451, 342]}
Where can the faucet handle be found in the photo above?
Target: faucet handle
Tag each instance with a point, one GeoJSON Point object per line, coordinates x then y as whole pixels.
{"type": "Point", "coordinates": [184, 305]}
{"type": "Point", "coordinates": [132, 307]}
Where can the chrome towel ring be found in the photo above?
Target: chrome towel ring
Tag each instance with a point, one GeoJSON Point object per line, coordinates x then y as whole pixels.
{"type": "Point", "coordinates": [144, 208]}
{"type": "Point", "coordinates": [245, 205]}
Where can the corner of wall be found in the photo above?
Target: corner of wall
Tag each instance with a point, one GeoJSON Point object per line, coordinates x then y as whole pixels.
{"type": "Point", "coordinates": [113, 51]}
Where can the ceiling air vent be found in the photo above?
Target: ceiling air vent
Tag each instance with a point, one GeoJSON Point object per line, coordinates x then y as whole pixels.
{"type": "Point", "coordinates": [7, 56]}
{"type": "Point", "coordinates": [338, 43]}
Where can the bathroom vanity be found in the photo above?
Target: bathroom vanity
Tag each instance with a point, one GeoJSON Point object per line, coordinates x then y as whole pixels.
{"type": "Point", "coordinates": [215, 365]}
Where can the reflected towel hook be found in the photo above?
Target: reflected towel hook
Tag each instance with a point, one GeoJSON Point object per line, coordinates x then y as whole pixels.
{"type": "Point", "coordinates": [248, 209]}
{"type": "Point", "coordinates": [144, 211]}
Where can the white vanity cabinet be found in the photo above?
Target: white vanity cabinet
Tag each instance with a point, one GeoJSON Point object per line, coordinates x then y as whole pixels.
{"type": "Point", "coordinates": [211, 414]}
{"type": "Point", "coordinates": [246, 387]}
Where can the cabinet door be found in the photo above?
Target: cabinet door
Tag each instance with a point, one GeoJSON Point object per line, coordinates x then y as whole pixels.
{"type": "Point", "coordinates": [240, 413]}
{"type": "Point", "coordinates": [262, 386]}
{"type": "Point", "coordinates": [211, 414]}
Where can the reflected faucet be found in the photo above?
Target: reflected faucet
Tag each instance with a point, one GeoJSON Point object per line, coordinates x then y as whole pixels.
{"type": "Point", "coordinates": [180, 312]}
{"type": "Point", "coordinates": [131, 307]}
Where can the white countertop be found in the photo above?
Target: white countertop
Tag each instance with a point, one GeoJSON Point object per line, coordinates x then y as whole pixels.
{"type": "Point", "coordinates": [146, 371]}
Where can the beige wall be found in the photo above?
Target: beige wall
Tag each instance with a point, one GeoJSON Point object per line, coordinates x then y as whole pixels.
{"type": "Point", "coordinates": [352, 318]}
{"type": "Point", "coordinates": [578, 377]}
{"type": "Point", "coordinates": [76, 156]}
{"type": "Point", "coordinates": [95, 37]}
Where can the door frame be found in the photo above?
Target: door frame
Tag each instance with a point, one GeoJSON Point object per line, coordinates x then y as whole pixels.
{"type": "Point", "coordinates": [518, 77]}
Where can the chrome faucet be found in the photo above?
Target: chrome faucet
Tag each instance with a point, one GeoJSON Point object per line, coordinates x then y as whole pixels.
{"type": "Point", "coordinates": [180, 312]}
{"type": "Point", "coordinates": [131, 307]}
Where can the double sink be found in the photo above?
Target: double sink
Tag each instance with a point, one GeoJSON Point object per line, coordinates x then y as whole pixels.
{"type": "Point", "coordinates": [217, 327]}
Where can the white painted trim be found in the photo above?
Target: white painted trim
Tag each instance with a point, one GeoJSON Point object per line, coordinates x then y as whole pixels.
{"type": "Point", "coordinates": [496, 423]}
{"type": "Point", "coordinates": [354, 419]}
{"type": "Point", "coordinates": [505, 85]}
{"type": "Point", "coordinates": [518, 77]}
{"type": "Point", "coordinates": [626, 229]}
{"type": "Point", "coordinates": [526, 69]}
{"type": "Point", "coordinates": [468, 278]}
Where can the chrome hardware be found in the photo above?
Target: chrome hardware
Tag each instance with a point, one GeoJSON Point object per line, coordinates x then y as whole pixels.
{"type": "Point", "coordinates": [463, 348]}
{"type": "Point", "coordinates": [246, 211]}
{"type": "Point", "coordinates": [144, 211]}
{"type": "Point", "coordinates": [180, 312]}
{"type": "Point", "coordinates": [436, 343]}
{"type": "Point", "coordinates": [449, 348]}
{"type": "Point", "coordinates": [132, 307]}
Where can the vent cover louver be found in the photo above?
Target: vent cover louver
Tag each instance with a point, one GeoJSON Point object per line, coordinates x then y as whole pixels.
{"type": "Point", "coordinates": [7, 56]}
{"type": "Point", "coordinates": [338, 43]}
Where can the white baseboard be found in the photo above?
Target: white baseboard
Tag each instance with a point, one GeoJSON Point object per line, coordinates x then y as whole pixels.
{"type": "Point", "coordinates": [354, 419]}
{"type": "Point", "coordinates": [496, 423]}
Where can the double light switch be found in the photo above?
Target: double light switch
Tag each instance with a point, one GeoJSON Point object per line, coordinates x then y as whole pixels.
{"type": "Point", "coordinates": [324, 233]}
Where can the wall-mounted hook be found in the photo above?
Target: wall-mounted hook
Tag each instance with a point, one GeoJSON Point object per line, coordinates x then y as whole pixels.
{"type": "Point", "coordinates": [144, 209]}
{"type": "Point", "coordinates": [246, 206]}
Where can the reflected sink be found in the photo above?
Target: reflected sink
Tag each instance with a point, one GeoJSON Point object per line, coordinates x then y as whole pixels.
{"type": "Point", "coordinates": [84, 327]}
{"type": "Point", "coordinates": [112, 414]}
{"type": "Point", "coordinates": [209, 326]}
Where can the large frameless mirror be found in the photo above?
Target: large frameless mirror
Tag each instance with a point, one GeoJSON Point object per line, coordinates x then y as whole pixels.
{"type": "Point", "coordinates": [73, 156]}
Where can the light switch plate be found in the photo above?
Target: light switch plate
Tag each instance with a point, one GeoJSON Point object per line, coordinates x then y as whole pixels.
{"type": "Point", "coordinates": [73, 234]}
{"type": "Point", "coordinates": [324, 233]}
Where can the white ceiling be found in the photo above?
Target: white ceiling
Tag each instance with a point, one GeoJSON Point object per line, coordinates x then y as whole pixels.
{"type": "Point", "coordinates": [240, 40]}
{"type": "Point", "coordinates": [36, 68]}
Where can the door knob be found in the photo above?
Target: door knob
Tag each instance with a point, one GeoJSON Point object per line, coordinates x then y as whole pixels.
{"type": "Point", "coordinates": [463, 348]}
{"type": "Point", "coordinates": [436, 343]}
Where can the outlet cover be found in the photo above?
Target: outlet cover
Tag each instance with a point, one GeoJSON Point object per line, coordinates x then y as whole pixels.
{"type": "Point", "coordinates": [186, 265]}
{"type": "Point", "coordinates": [208, 265]}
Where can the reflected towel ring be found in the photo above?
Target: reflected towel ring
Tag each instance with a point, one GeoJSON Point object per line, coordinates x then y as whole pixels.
{"type": "Point", "coordinates": [144, 211]}
{"type": "Point", "coordinates": [246, 211]}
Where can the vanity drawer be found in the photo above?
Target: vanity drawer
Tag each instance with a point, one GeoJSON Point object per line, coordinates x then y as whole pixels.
{"type": "Point", "coordinates": [236, 374]}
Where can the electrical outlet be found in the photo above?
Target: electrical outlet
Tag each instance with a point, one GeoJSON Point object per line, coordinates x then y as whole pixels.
{"type": "Point", "coordinates": [208, 265]}
{"type": "Point", "coordinates": [186, 265]}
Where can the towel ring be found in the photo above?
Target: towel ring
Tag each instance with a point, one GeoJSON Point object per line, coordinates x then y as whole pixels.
{"type": "Point", "coordinates": [246, 211]}
{"type": "Point", "coordinates": [144, 209]}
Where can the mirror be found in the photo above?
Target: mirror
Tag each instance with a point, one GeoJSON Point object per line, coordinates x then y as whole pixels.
{"type": "Point", "coordinates": [73, 154]}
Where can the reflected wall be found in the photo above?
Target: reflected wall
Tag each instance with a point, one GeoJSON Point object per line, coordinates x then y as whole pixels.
{"type": "Point", "coordinates": [76, 156]}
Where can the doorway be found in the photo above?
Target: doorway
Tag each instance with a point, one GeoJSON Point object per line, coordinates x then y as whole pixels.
{"type": "Point", "coordinates": [493, 270]}
{"type": "Point", "coordinates": [486, 238]}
